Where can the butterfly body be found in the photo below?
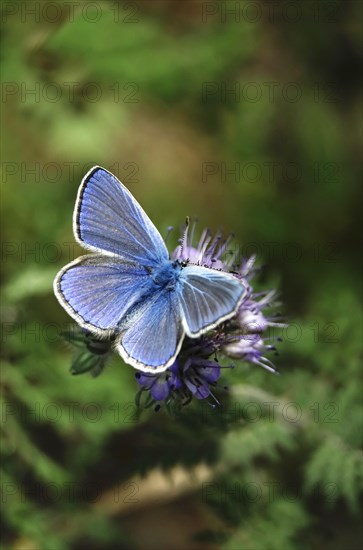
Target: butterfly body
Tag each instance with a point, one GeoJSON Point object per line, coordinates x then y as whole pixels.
{"type": "Point", "coordinates": [167, 274]}
{"type": "Point", "coordinates": [129, 287]}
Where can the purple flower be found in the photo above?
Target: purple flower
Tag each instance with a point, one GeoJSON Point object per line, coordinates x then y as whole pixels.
{"type": "Point", "coordinates": [251, 348]}
{"type": "Point", "coordinates": [199, 375]}
{"type": "Point", "coordinates": [208, 252]}
{"type": "Point", "coordinates": [196, 371]}
{"type": "Point", "coordinates": [160, 385]}
{"type": "Point", "coordinates": [191, 375]}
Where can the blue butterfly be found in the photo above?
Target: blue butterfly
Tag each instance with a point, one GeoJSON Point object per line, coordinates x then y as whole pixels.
{"type": "Point", "coordinates": [130, 287]}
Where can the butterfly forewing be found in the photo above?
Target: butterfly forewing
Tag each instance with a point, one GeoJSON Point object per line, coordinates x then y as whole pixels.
{"type": "Point", "coordinates": [107, 218]}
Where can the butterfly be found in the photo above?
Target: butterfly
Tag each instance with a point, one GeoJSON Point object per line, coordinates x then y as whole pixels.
{"type": "Point", "coordinates": [129, 287]}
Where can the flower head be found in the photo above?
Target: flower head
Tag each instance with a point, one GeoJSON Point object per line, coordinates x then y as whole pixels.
{"type": "Point", "coordinates": [193, 374]}
{"type": "Point", "coordinates": [196, 371]}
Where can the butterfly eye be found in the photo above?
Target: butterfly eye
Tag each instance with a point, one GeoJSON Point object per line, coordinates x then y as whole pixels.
{"type": "Point", "coordinates": [184, 263]}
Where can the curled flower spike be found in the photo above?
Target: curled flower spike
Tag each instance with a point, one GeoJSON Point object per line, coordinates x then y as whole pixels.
{"type": "Point", "coordinates": [251, 348]}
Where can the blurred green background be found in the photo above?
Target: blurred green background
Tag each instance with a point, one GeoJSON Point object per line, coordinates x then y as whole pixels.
{"type": "Point", "coordinates": [248, 115]}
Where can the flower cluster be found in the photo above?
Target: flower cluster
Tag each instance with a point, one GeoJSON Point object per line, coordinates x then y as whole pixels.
{"type": "Point", "coordinates": [193, 374]}
{"type": "Point", "coordinates": [196, 370]}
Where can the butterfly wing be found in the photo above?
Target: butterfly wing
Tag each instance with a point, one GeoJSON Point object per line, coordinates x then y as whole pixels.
{"type": "Point", "coordinates": [107, 218]}
{"type": "Point", "coordinates": [154, 333]}
{"type": "Point", "coordinates": [97, 291]}
{"type": "Point", "coordinates": [207, 298]}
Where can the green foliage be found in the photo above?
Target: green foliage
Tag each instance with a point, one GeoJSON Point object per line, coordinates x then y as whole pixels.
{"type": "Point", "coordinates": [265, 529]}
{"type": "Point", "coordinates": [282, 454]}
{"type": "Point", "coordinates": [333, 461]}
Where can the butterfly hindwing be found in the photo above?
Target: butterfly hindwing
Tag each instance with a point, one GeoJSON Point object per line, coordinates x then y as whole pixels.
{"type": "Point", "coordinates": [155, 333]}
{"type": "Point", "coordinates": [207, 298]}
{"type": "Point", "coordinates": [108, 219]}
